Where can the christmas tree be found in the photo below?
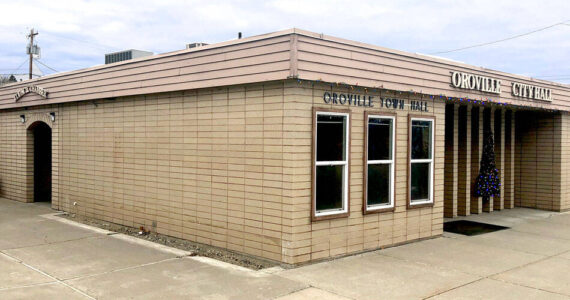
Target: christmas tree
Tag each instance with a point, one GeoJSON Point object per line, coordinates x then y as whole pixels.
{"type": "Point", "coordinates": [488, 183]}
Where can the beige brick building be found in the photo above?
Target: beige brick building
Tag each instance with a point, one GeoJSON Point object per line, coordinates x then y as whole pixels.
{"type": "Point", "coordinates": [292, 146]}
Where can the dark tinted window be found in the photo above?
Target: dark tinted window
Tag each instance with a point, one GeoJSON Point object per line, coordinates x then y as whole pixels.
{"type": "Point", "coordinates": [378, 184]}
{"type": "Point", "coordinates": [329, 187]}
{"type": "Point", "coordinates": [420, 181]}
{"type": "Point", "coordinates": [421, 139]}
{"type": "Point", "coordinates": [379, 139]}
{"type": "Point", "coordinates": [330, 138]}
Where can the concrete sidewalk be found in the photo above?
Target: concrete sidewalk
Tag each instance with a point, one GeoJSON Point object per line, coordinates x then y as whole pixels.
{"type": "Point", "coordinates": [42, 257]}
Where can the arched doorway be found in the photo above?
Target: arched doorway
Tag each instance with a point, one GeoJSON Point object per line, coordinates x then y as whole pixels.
{"type": "Point", "coordinates": [41, 136]}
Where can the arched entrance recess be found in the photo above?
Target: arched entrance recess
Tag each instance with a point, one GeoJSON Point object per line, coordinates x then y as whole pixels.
{"type": "Point", "coordinates": [40, 138]}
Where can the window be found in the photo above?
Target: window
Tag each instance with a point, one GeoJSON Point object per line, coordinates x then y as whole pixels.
{"type": "Point", "coordinates": [379, 167]}
{"type": "Point", "coordinates": [421, 161]}
{"type": "Point", "coordinates": [330, 169]}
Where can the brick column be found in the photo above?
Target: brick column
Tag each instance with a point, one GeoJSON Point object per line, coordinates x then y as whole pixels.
{"type": "Point", "coordinates": [29, 185]}
{"type": "Point", "coordinates": [488, 207]}
{"type": "Point", "coordinates": [464, 162]}
{"type": "Point", "coordinates": [509, 178]}
{"type": "Point", "coordinates": [450, 165]}
{"type": "Point", "coordinates": [476, 150]}
{"type": "Point", "coordinates": [499, 202]}
{"type": "Point", "coordinates": [55, 142]}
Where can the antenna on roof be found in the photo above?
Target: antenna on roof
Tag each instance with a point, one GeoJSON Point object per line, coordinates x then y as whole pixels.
{"type": "Point", "coordinates": [239, 35]}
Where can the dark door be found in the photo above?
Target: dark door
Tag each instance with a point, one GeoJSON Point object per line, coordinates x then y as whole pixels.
{"type": "Point", "coordinates": [42, 162]}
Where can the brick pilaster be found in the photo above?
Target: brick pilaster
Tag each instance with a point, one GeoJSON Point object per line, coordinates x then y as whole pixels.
{"type": "Point", "coordinates": [499, 202]}
{"type": "Point", "coordinates": [488, 207]}
{"type": "Point", "coordinates": [464, 162]}
{"type": "Point", "coordinates": [451, 155]}
{"type": "Point", "coordinates": [477, 149]}
{"type": "Point", "coordinates": [509, 178]}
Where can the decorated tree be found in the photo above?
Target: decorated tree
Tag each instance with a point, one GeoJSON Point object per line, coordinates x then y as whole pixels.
{"type": "Point", "coordinates": [488, 183]}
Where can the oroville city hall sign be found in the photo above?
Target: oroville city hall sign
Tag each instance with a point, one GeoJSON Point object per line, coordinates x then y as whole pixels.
{"type": "Point", "coordinates": [492, 85]}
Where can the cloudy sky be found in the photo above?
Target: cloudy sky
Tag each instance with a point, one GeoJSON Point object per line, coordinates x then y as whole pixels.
{"type": "Point", "coordinates": [75, 34]}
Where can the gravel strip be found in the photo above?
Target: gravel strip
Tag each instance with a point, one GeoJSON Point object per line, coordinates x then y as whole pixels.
{"type": "Point", "coordinates": [235, 258]}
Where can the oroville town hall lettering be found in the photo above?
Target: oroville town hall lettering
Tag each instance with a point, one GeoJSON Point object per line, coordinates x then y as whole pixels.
{"type": "Point", "coordinates": [370, 101]}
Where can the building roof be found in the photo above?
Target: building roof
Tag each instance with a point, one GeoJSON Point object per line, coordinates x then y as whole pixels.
{"type": "Point", "coordinates": [292, 53]}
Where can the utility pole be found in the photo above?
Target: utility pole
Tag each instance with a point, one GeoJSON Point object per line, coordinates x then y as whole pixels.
{"type": "Point", "coordinates": [31, 51]}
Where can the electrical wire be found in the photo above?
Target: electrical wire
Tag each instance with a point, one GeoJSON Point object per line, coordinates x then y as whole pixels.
{"type": "Point", "coordinates": [16, 69]}
{"type": "Point", "coordinates": [96, 45]}
{"type": "Point", "coordinates": [47, 66]}
{"type": "Point", "coordinates": [505, 39]}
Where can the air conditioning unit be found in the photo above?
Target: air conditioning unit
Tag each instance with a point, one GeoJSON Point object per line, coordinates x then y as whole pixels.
{"type": "Point", "coordinates": [195, 45]}
{"type": "Point", "coordinates": [125, 55]}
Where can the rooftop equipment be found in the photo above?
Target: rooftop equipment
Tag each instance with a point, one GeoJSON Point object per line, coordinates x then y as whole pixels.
{"type": "Point", "coordinates": [195, 45]}
{"type": "Point", "coordinates": [125, 55]}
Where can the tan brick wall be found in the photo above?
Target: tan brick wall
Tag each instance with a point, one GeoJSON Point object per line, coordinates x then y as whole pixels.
{"type": "Point", "coordinates": [451, 163]}
{"type": "Point", "coordinates": [358, 232]}
{"type": "Point", "coordinates": [565, 162]}
{"type": "Point", "coordinates": [16, 153]}
{"type": "Point", "coordinates": [464, 178]}
{"type": "Point", "coordinates": [13, 148]}
{"type": "Point", "coordinates": [229, 167]}
{"type": "Point", "coordinates": [203, 165]}
{"type": "Point", "coordinates": [539, 161]}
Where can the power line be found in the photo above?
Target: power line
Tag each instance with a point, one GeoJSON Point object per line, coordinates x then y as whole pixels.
{"type": "Point", "coordinates": [16, 69]}
{"type": "Point", "coordinates": [505, 39]}
{"type": "Point", "coordinates": [96, 45]}
{"type": "Point", "coordinates": [41, 63]}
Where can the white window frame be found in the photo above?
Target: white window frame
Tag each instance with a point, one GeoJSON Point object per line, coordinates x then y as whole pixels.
{"type": "Point", "coordinates": [344, 210]}
{"type": "Point", "coordinates": [430, 161]}
{"type": "Point", "coordinates": [391, 162]}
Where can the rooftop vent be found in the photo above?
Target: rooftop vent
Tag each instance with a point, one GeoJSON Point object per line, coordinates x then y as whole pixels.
{"type": "Point", "coordinates": [195, 45]}
{"type": "Point", "coordinates": [125, 55]}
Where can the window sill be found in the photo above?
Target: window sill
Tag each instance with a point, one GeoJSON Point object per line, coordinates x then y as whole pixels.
{"type": "Point", "coordinates": [368, 211]}
{"type": "Point", "coordinates": [315, 218]}
{"type": "Point", "coordinates": [419, 205]}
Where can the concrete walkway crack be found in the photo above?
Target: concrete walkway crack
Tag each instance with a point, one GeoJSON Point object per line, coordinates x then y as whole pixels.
{"type": "Point", "coordinates": [122, 269]}
{"type": "Point", "coordinates": [48, 275]}
{"type": "Point", "coordinates": [54, 243]}
{"type": "Point", "coordinates": [490, 276]}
